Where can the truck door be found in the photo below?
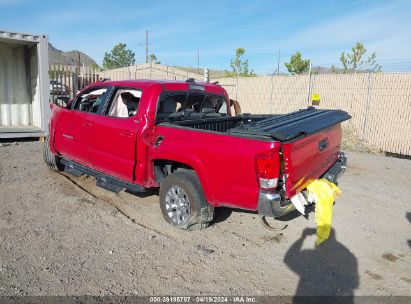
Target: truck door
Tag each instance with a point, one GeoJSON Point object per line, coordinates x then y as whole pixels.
{"type": "Point", "coordinates": [70, 137]}
{"type": "Point", "coordinates": [114, 135]}
{"type": "Point", "coordinates": [73, 127]}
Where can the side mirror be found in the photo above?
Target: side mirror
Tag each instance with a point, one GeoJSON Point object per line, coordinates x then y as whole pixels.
{"type": "Point", "coordinates": [61, 101]}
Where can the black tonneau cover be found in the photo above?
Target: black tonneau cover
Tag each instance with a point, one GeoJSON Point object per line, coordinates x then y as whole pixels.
{"type": "Point", "coordinates": [294, 125]}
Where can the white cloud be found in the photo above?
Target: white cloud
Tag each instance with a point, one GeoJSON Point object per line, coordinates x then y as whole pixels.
{"type": "Point", "coordinates": [367, 26]}
{"type": "Point", "coordinates": [380, 29]}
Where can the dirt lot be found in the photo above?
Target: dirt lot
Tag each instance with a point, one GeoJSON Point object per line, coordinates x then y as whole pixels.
{"type": "Point", "coordinates": [62, 235]}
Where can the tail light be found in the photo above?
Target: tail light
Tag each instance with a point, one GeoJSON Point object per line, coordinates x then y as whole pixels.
{"type": "Point", "coordinates": [267, 166]}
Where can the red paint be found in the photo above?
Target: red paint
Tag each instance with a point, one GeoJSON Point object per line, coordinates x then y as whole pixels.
{"type": "Point", "coordinates": [70, 125]}
{"type": "Point", "coordinates": [303, 161]}
{"type": "Point", "coordinates": [228, 167]}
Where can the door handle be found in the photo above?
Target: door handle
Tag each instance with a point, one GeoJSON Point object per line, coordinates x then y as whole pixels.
{"type": "Point", "coordinates": [158, 141]}
{"type": "Point", "coordinates": [68, 136]}
{"type": "Point", "coordinates": [87, 123]}
{"type": "Point", "coordinates": [126, 133]}
{"type": "Point", "coordinates": [323, 144]}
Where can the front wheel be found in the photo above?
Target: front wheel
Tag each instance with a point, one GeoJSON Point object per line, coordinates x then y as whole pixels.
{"type": "Point", "coordinates": [183, 203]}
{"type": "Point", "coordinates": [52, 161]}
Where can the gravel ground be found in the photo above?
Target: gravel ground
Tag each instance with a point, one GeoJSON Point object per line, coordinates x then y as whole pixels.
{"type": "Point", "coordinates": [61, 235]}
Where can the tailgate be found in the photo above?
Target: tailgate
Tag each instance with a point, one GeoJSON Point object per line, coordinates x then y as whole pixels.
{"type": "Point", "coordinates": [310, 157]}
{"type": "Point", "coordinates": [311, 142]}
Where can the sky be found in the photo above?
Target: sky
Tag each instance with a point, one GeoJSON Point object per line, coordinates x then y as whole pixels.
{"type": "Point", "coordinates": [320, 30]}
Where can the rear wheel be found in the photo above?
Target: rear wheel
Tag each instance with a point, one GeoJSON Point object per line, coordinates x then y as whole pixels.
{"type": "Point", "coordinates": [52, 161]}
{"type": "Point", "coordinates": [183, 203]}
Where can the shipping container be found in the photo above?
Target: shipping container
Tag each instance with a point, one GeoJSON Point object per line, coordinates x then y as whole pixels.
{"type": "Point", "coordinates": [24, 85]}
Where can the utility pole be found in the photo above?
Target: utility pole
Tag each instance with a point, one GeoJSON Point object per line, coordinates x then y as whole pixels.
{"type": "Point", "coordinates": [309, 85]}
{"type": "Point", "coordinates": [79, 71]}
{"type": "Point", "coordinates": [236, 84]}
{"type": "Point", "coordinates": [78, 62]}
{"type": "Point", "coordinates": [271, 93]}
{"type": "Point", "coordinates": [198, 61]}
{"type": "Point", "coordinates": [146, 46]}
{"type": "Point", "coordinates": [278, 62]}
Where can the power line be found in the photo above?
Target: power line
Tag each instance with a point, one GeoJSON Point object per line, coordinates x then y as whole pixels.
{"type": "Point", "coordinates": [394, 62]}
{"type": "Point", "coordinates": [237, 13]}
{"type": "Point", "coordinates": [264, 8]}
{"type": "Point", "coordinates": [330, 9]}
{"type": "Point", "coordinates": [394, 53]}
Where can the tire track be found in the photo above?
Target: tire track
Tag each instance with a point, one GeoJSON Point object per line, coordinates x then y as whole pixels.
{"type": "Point", "coordinates": [118, 208]}
{"type": "Point", "coordinates": [178, 237]}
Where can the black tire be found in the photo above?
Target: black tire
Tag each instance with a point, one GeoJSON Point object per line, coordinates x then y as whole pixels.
{"type": "Point", "coordinates": [201, 213]}
{"type": "Point", "coordinates": [52, 161]}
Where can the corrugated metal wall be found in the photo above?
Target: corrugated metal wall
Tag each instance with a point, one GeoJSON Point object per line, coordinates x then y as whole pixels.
{"type": "Point", "coordinates": [15, 86]}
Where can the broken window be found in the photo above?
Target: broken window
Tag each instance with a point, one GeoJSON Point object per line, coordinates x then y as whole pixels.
{"type": "Point", "coordinates": [90, 100]}
{"type": "Point", "coordinates": [125, 103]}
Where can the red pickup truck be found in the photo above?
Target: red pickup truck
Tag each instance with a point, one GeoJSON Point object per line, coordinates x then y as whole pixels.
{"type": "Point", "coordinates": [182, 137]}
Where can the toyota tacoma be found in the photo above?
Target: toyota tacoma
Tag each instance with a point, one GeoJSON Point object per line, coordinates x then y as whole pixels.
{"type": "Point", "coordinates": [185, 139]}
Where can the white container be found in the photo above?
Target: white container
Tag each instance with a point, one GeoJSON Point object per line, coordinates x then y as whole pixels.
{"type": "Point", "coordinates": [24, 85]}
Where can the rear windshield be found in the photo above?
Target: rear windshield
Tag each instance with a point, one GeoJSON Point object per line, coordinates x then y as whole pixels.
{"type": "Point", "coordinates": [188, 105]}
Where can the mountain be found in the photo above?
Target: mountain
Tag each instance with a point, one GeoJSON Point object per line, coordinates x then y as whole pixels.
{"type": "Point", "coordinates": [325, 70]}
{"type": "Point", "coordinates": [213, 73]}
{"type": "Point", "coordinates": [318, 70]}
{"type": "Point", "coordinates": [57, 56]}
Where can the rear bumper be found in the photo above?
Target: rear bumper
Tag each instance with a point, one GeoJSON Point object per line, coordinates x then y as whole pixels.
{"type": "Point", "coordinates": [336, 170]}
{"type": "Point", "coordinates": [271, 204]}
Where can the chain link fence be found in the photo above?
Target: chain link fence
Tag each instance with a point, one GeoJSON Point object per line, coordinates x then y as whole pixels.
{"type": "Point", "coordinates": [379, 103]}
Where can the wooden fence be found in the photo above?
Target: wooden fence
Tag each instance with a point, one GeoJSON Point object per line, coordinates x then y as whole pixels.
{"type": "Point", "coordinates": [66, 81]}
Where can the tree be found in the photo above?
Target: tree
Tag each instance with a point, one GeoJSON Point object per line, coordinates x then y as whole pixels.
{"type": "Point", "coordinates": [95, 66]}
{"type": "Point", "coordinates": [356, 60]}
{"type": "Point", "coordinates": [239, 67]}
{"type": "Point", "coordinates": [297, 65]}
{"type": "Point", "coordinates": [119, 57]}
{"type": "Point", "coordinates": [153, 58]}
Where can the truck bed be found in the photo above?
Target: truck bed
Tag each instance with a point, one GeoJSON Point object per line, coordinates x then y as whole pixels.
{"type": "Point", "coordinates": [310, 140]}
{"type": "Point", "coordinates": [278, 127]}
